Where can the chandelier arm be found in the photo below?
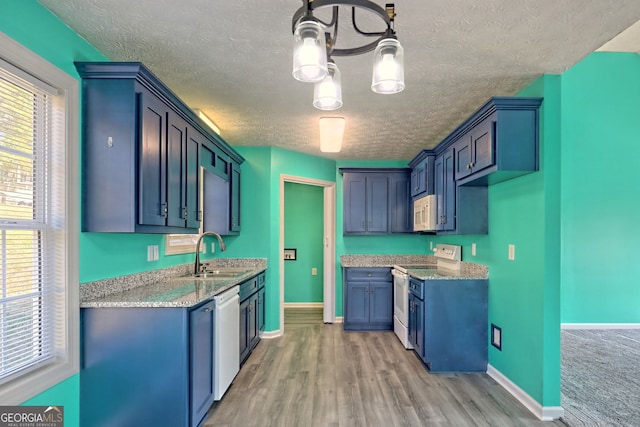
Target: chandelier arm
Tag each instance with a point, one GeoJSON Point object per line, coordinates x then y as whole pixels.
{"type": "Point", "coordinates": [358, 50]}
{"type": "Point", "coordinates": [308, 7]}
{"type": "Point", "coordinates": [365, 33]}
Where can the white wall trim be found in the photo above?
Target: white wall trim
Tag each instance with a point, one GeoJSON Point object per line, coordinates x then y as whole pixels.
{"type": "Point", "coordinates": [600, 325]}
{"type": "Point", "coordinates": [544, 413]}
{"type": "Point", "coordinates": [67, 342]}
{"type": "Point", "coordinates": [303, 304]}
{"type": "Point", "coordinates": [329, 251]}
{"type": "Point", "coordinates": [271, 334]}
{"type": "Point", "coordinates": [339, 319]}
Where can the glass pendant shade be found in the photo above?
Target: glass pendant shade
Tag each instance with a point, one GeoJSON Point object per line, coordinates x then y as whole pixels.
{"type": "Point", "coordinates": [327, 93]}
{"type": "Point", "coordinates": [388, 67]}
{"type": "Point", "coordinates": [309, 52]}
{"type": "Point", "coordinates": [331, 133]}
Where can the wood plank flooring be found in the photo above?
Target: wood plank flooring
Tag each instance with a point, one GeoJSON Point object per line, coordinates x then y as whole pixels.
{"type": "Point", "coordinates": [319, 375]}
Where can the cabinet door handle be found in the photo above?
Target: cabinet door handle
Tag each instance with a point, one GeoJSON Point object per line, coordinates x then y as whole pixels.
{"type": "Point", "coordinates": [369, 275]}
{"type": "Point", "coordinates": [206, 310]}
{"type": "Point", "coordinates": [362, 224]}
{"type": "Point", "coordinates": [165, 210]}
{"type": "Point", "coordinates": [185, 212]}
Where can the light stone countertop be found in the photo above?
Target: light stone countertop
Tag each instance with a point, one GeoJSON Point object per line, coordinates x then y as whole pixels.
{"type": "Point", "coordinates": [468, 270]}
{"type": "Point", "coordinates": [166, 287]}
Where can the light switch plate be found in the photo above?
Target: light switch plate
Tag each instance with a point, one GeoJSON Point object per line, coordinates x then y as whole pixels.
{"type": "Point", "coordinates": [314, 271]}
{"type": "Point", "coordinates": [473, 249]}
{"type": "Point", "coordinates": [512, 252]}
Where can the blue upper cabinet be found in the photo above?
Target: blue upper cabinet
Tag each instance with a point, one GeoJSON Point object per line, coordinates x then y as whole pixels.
{"type": "Point", "coordinates": [445, 187]}
{"type": "Point", "coordinates": [141, 148]}
{"type": "Point", "coordinates": [422, 178]}
{"type": "Point", "coordinates": [376, 201]}
{"type": "Point", "coordinates": [498, 142]}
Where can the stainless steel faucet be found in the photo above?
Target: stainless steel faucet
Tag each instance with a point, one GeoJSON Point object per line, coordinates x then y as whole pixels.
{"type": "Point", "coordinates": [223, 247]}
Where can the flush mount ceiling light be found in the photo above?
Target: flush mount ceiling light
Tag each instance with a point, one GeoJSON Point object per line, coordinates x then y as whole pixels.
{"type": "Point", "coordinates": [315, 44]}
{"type": "Point", "coordinates": [331, 133]}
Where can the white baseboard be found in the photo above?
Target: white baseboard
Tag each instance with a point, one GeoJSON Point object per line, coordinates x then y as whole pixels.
{"type": "Point", "coordinates": [544, 413]}
{"type": "Point", "coordinates": [303, 305]}
{"type": "Point", "coordinates": [339, 319]}
{"type": "Point", "coordinates": [600, 325]}
{"type": "Point", "coordinates": [271, 334]}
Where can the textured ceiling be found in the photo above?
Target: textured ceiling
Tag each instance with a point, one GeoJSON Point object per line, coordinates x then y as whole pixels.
{"type": "Point", "coordinates": [232, 59]}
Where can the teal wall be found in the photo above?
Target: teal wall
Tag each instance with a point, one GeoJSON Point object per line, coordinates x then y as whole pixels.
{"type": "Point", "coordinates": [304, 231]}
{"type": "Point", "coordinates": [600, 192]}
{"type": "Point", "coordinates": [33, 26]}
{"type": "Point", "coordinates": [260, 201]}
{"type": "Point", "coordinates": [524, 294]}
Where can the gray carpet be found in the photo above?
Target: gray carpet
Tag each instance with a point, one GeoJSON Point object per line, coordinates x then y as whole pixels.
{"type": "Point", "coordinates": [601, 377]}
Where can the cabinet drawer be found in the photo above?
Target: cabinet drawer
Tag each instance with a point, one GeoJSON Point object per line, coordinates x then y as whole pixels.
{"type": "Point", "coordinates": [416, 287]}
{"type": "Point", "coordinates": [261, 280]}
{"type": "Point", "coordinates": [368, 274]}
{"type": "Point", "coordinates": [247, 288]}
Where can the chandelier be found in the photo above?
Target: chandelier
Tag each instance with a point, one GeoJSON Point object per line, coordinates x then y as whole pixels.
{"type": "Point", "coordinates": [315, 45]}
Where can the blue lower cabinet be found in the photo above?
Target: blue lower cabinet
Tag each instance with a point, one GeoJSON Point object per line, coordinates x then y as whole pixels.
{"type": "Point", "coordinates": [252, 307]}
{"type": "Point", "coordinates": [451, 321]}
{"type": "Point", "coordinates": [146, 366]}
{"type": "Point", "coordinates": [368, 299]}
{"type": "Point", "coordinates": [201, 373]}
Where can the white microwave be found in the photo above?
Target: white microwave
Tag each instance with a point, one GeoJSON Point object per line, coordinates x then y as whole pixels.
{"type": "Point", "coordinates": [424, 213]}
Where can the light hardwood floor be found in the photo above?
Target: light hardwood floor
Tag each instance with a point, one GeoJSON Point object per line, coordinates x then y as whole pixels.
{"type": "Point", "coordinates": [319, 375]}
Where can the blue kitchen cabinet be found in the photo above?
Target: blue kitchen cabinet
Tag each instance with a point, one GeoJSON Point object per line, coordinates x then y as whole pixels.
{"type": "Point", "coordinates": [475, 150]}
{"type": "Point", "coordinates": [416, 324]}
{"type": "Point", "coordinates": [498, 142]}
{"type": "Point", "coordinates": [445, 191]}
{"type": "Point", "coordinates": [220, 192]}
{"type": "Point", "coordinates": [366, 205]}
{"type": "Point", "coordinates": [261, 309]}
{"type": "Point", "coordinates": [375, 201]}
{"type": "Point", "coordinates": [146, 366]}
{"type": "Point", "coordinates": [453, 325]}
{"type": "Point", "coordinates": [140, 152]}
{"type": "Point", "coordinates": [250, 314]}
{"type": "Point", "coordinates": [201, 323]}
{"type": "Point", "coordinates": [422, 174]}
{"type": "Point", "coordinates": [368, 299]}
{"type": "Point", "coordinates": [400, 213]}
{"type": "Point", "coordinates": [235, 198]}
{"type": "Point", "coordinates": [460, 210]}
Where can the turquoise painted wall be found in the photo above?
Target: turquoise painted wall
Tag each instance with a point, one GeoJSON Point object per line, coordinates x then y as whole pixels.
{"type": "Point", "coordinates": [304, 231]}
{"type": "Point", "coordinates": [27, 22]}
{"type": "Point", "coordinates": [524, 294]}
{"type": "Point", "coordinates": [600, 194]}
{"type": "Point", "coordinates": [260, 200]}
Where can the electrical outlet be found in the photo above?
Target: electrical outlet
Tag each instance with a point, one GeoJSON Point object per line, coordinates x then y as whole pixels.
{"type": "Point", "coordinates": [431, 245]}
{"type": "Point", "coordinates": [512, 252]}
{"type": "Point", "coordinates": [156, 251]}
{"type": "Point", "coordinates": [496, 337]}
{"type": "Point", "coordinates": [213, 248]}
{"type": "Point", "coordinates": [473, 249]}
{"type": "Point", "coordinates": [314, 271]}
{"type": "Point", "coordinates": [150, 253]}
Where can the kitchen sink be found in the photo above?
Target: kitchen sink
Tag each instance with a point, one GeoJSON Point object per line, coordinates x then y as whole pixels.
{"type": "Point", "coordinates": [212, 273]}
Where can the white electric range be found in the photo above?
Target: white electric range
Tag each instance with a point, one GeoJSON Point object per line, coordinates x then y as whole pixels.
{"type": "Point", "coordinates": [448, 257]}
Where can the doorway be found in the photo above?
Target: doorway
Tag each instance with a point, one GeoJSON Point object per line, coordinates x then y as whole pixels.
{"type": "Point", "coordinates": [328, 245]}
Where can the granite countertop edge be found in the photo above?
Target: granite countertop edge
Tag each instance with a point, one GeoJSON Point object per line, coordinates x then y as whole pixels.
{"type": "Point", "coordinates": [468, 270]}
{"type": "Point", "coordinates": [166, 288]}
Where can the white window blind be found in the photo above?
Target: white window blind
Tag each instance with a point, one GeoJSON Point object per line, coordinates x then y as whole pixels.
{"type": "Point", "coordinates": [28, 235]}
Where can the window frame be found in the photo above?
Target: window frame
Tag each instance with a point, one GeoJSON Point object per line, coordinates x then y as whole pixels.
{"type": "Point", "coordinates": [66, 362]}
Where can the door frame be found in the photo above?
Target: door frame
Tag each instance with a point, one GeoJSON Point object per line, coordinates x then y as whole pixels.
{"type": "Point", "coordinates": [329, 245]}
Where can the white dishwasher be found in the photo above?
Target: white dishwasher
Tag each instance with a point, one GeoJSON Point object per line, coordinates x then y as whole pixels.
{"type": "Point", "coordinates": [226, 353]}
